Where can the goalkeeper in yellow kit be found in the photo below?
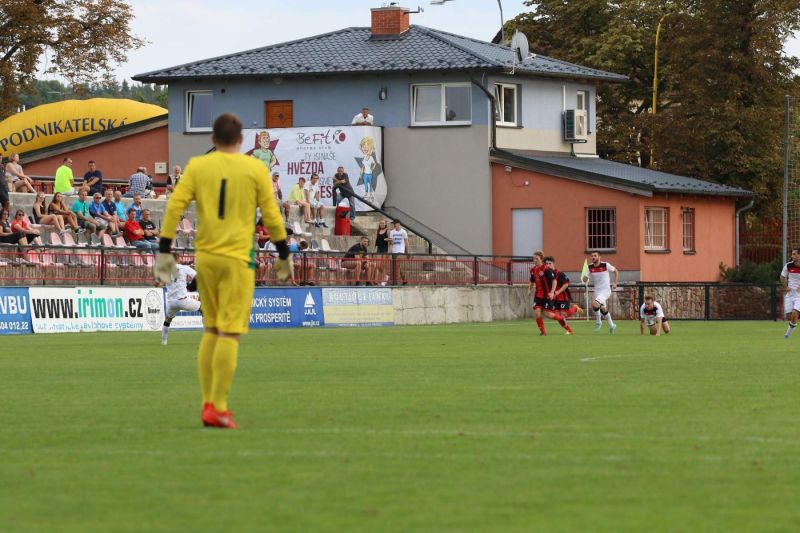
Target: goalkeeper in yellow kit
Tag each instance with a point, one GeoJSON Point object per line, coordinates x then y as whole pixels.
{"type": "Point", "coordinates": [227, 186]}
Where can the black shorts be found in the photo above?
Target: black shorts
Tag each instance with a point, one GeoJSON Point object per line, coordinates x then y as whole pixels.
{"type": "Point", "coordinates": [539, 303]}
{"type": "Point", "coordinates": [557, 305]}
{"type": "Point", "coordinates": [11, 239]}
{"type": "Point", "coordinates": [4, 198]}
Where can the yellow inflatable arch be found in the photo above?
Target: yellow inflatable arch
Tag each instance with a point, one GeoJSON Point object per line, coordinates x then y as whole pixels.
{"type": "Point", "coordinates": [50, 124]}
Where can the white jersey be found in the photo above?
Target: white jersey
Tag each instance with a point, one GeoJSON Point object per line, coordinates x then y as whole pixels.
{"type": "Point", "coordinates": [398, 239]}
{"type": "Point", "coordinates": [600, 276]}
{"type": "Point", "coordinates": [650, 315]}
{"type": "Point", "coordinates": [176, 289]}
{"type": "Point", "coordinates": [791, 273]}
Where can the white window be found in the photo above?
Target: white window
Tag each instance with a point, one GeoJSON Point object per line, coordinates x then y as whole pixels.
{"type": "Point", "coordinates": [656, 226]}
{"type": "Point", "coordinates": [688, 229]}
{"type": "Point", "coordinates": [582, 104]}
{"type": "Point", "coordinates": [601, 228]}
{"type": "Point", "coordinates": [506, 96]}
{"type": "Point", "coordinates": [441, 104]}
{"type": "Point", "coordinates": [198, 110]}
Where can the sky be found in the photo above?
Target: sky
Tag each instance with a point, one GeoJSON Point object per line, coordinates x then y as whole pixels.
{"type": "Point", "coordinates": [182, 31]}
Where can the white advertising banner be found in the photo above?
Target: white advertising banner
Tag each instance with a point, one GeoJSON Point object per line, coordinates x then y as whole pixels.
{"type": "Point", "coordinates": [64, 310]}
{"type": "Point", "coordinates": [300, 152]}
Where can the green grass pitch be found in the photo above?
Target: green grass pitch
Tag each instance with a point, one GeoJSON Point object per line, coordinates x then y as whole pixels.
{"type": "Point", "coordinates": [477, 427]}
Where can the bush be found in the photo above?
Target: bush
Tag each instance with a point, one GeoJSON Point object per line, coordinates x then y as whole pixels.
{"type": "Point", "coordinates": [749, 272]}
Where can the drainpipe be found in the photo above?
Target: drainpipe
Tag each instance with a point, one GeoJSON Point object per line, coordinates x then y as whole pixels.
{"type": "Point", "coordinates": [739, 212]}
{"type": "Point", "coordinates": [493, 114]}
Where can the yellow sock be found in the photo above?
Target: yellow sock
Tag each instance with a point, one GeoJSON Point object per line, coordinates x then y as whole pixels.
{"type": "Point", "coordinates": [205, 358]}
{"type": "Point", "coordinates": [226, 353]}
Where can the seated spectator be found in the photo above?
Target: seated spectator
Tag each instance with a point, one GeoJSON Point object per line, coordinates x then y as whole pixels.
{"type": "Point", "coordinates": [134, 233]}
{"type": "Point", "coordinates": [58, 207]}
{"type": "Point", "coordinates": [102, 219]}
{"type": "Point", "coordinates": [7, 236]}
{"type": "Point", "coordinates": [20, 182]}
{"type": "Point", "coordinates": [314, 199]}
{"type": "Point", "coordinates": [363, 118]}
{"type": "Point", "coordinates": [45, 219]}
{"type": "Point", "coordinates": [80, 208]}
{"type": "Point", "coordinates": [111, 207]}
{"type": "Point", "coordinates": [343, 189]}
{"type": "Point", "coordinates": [151, 232]}
{"type": "Point", "coordinates": [137, 206]}
{"type": "Point", "coordinates": [21, 225]}
{"type": "Point", "coordinates": [297, 196]}
{"type": "Point", "coordinates": [298, 250]}
{"type": "Point", "coordinates": [355, 259]}
{"type": "Point", "coordinates": [121, 206]}
{"type": "Point", "coordinates": [93, 179]}
{"type": "Point", "coordinates": [262, 234]}
{"type": "Point", "coordinates": [64, 180]}
{"type": "Point", "coordinates": [149, 189]}
{"type": "Point", "coordinates": [276, 188]}
{"type": "Point", "coordinates": [5, 200]}
{"type": "Point", "coordinates": [137, 183]}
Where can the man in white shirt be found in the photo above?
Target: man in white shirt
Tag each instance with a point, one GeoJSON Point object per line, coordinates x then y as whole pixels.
{"type": "Point", "coordinates": [790, 279]}
{"type": "Point", "coordinates": [363, 118]}
{"type": "Point", "coordinates": [398, 238]}
{"type": "Point", "coordinates": [181, 296]}
{"type": "Point", "coordinates": [313, 197]}
{"type": "Point", "coordinates": [599, 274]}
{"type": "Point", "coordinates": [652, 315]}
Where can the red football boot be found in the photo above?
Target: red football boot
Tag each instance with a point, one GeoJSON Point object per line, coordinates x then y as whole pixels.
{"type": "Point", "coordinates": [206, 406]}
{"type": "Point", "coordinates": [217, 419]}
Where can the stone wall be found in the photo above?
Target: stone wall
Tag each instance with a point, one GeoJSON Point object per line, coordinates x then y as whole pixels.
{"type": "Point", "coordinates": [447, 305]}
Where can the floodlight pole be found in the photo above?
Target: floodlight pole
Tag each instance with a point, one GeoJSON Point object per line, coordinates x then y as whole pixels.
{"type": "Point", "coordinates": [499, 4]}
{"type": "Point", "coordinates": [786, 150]}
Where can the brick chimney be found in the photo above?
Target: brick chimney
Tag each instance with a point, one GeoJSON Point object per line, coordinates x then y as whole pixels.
{"type": "Point", "coordinates": [391, 20]}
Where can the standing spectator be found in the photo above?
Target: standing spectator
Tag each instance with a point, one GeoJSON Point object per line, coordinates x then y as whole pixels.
{"type": "Point", "coordinates": [5, 202]}
{"type": "Point", "coordinates": [111, 208]}
{"type": "Point", "coordinates": [399, 239]}
{"type": "Point", "coordinates": [297, 196]}
{"type": "Point", "coordinates": [137, 183]}
{"type": "Point", "coordinates": [313, 197]}
{"type": "Point", "coordinates": [80, 208]}
{"type": "Point", "coordinates": [93, 179]}
{"type": "Point", "coordinates": [64, 181]}
{"type": "Point", "coordinates": [151, 232]}
{"type": "Point", "coordinates": [121, 206]}
{"type": "Point", "coordinates": [355, 259]}
{"type": "Point", "coordinates": [137, 206]}
{"type": "Point", "coordinates": [174, 178]}
{"type": "Point", "coordinates": [363, 118]}
{"type": "Point", "coordinates": [343, 189]}
{"type": "Point", "coordinates": [102, 219]}
{"type": "Point", "coordinates": [19, 181]}
{"type": "Point", "coordinates": [58, 207]}
{"type": "Point", "coordinates": [276, 189]}
{"type": "Point", "coordinates": [381, 247]}
{"type": "Point", "coordinates": [21, 225]}
{"type": "Point", "coordinates": [134, 233]}
{"type": "Point", "coordinates": [40, 215]}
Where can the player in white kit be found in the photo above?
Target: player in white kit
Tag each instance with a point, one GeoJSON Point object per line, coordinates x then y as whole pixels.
{"type": "Point", "coordinates": [652, 315]}
{"type": "Point", "coordinates": [790, 279]}
{"type": "Point", "coordinates": [599, 274]}
{"type": "Point", "coordinates": [181, 296]}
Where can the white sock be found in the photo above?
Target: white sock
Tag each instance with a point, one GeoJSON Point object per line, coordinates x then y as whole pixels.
{"type": "Point", "coordinates": [609, 320]}
{"type": "Point", "coordinates": [597, 320]}
{"type": "Point", "coordinates": [790, 329]}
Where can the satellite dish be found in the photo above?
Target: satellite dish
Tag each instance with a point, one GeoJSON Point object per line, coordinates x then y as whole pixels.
{"type": "Point", "coordinates": [519, 44]}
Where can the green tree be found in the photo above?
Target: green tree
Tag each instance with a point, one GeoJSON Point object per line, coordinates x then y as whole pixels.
{"type": "Point", "coordinates": [83, 39]}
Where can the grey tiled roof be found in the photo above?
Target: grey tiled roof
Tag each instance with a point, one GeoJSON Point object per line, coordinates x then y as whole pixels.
{"type": "Point", "coordinates": [604, 171]}
{"type": "Point", "coordinates": [353, 50]}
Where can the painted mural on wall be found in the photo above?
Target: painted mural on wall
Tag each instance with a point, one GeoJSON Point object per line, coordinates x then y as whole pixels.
{"type": "Point", "coordinates": [50, 124]}
{"type": "Point", "coordinates": [300, 152]}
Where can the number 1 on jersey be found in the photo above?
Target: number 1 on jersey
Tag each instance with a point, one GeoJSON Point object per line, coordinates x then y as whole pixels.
{"type": "Point", "coordinates": [221, 210]}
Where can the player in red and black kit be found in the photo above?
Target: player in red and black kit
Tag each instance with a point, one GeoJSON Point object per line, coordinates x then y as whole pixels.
{"type": "Point", "coordinates": [537, 275]}
{"type": "Point", "coordinates": [556, 285]}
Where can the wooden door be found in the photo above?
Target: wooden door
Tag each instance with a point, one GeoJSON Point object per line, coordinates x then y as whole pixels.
{"type": "Point", "coordinates": [278, 114]}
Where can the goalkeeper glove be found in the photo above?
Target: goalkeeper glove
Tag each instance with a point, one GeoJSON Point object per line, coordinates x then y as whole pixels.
{"type": "Point", "coordinates": [165, 268]}
{"type": "Point", "coordinates": [283, 268]}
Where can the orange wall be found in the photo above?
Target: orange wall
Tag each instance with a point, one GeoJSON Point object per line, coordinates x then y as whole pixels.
{"type": "Point", "coordinates": [715, 239]}
{"type": "Point", "coordinates": [563, 204]}
{"type": "Point", "coordinates": [116, 159]}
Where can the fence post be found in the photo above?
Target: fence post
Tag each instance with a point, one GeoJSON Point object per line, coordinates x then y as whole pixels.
{"type": "Point", "coordinates": [303, 266]}
{"type": "Point", "coordinates": [102, 263]}
{"type": "Point", "coordinates": [708, 302]}
{"type": "Point", "coordinates": [394, 269]}
{"type": "Point", "coordinates": [508, 272]}
{"type": "Point", "coordinates": [773, 302]}
{"type": "Point", "coordinates": [475, 276]}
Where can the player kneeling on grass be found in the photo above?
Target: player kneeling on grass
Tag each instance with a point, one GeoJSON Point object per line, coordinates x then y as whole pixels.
{"type": "Point", "coordinates": [227, 187]}
{"type": "Point", "coordinates": [790, 279]}
{"type": "Point", "coordinates": [181, 296]}
{"type": "Point", "coordinates": [652, 315]}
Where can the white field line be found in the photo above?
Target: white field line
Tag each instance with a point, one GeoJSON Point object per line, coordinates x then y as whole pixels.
{"type": "Point", "coordinates": [615, 356]}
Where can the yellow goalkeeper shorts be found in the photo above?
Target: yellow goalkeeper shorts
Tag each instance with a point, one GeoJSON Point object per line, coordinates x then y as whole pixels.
{"type": "Point", "coordinates": [226, 288]}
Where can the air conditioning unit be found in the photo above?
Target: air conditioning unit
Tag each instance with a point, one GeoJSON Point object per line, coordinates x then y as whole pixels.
{"type": "Point", "coordinates": [575, 126]}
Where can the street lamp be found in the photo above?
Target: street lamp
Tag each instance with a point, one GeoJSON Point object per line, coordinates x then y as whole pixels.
{"type": "Point", "coordinates": [500, 5]}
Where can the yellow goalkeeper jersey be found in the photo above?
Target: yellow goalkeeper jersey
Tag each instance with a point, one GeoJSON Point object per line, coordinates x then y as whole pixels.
{"type": "Point", "coordinates": [227, 189]}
